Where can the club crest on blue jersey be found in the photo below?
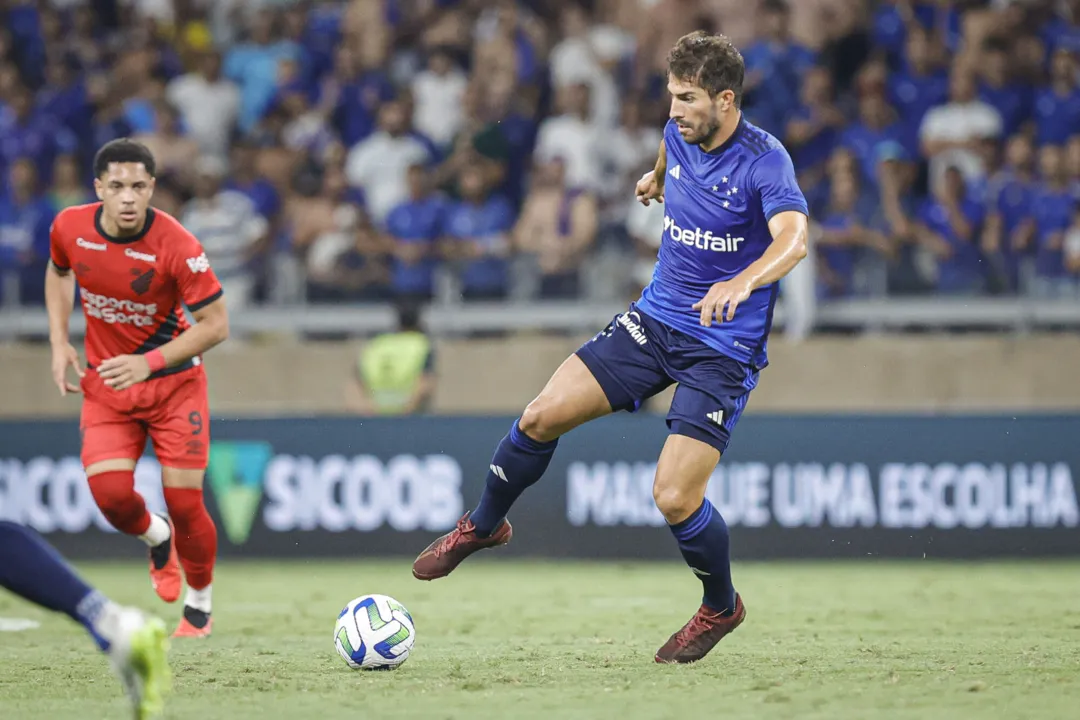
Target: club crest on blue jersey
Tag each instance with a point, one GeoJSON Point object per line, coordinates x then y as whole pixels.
{"type": "Point", "coordinates": [717, 208]}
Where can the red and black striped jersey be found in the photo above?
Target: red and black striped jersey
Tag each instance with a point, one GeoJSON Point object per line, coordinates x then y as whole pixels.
{"type": "Point", "coordinates": [132, 289]}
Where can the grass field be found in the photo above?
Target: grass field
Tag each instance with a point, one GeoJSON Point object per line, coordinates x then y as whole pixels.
{"type": "Point", "coordinates": [509, 641]}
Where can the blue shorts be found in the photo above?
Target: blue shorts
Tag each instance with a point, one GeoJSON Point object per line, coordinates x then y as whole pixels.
{"type": "Point", "coordinates": [637, 357]}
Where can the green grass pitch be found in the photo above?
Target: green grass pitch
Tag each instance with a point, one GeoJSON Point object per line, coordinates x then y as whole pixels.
{"type": "Point", "coordinates": [513, 641]}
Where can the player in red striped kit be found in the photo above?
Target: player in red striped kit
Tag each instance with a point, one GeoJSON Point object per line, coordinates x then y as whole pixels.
{"type": "Point", "coordinates": [137, 268]}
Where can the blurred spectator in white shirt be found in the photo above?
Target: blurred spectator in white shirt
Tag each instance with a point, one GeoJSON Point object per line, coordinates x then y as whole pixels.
{"type": "Point", "coordinates": [208, 102]}
{"type": "Point", "coordinates": [438, 92]}
{"type": "Point", "coordinates": [588, 54]}
{"type": "Point", "coordinates": [953, 134]}
{"type": "Point", "coordinates": [632, 146]}
{"type": "Point", "coordinates": [229, 228]}
{"type": "Point", "coordinates": [379, 164]}
{"type": "Point", "coordinates": [572, 137]}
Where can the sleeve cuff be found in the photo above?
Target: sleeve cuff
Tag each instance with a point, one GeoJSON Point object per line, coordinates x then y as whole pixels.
{"type": "Point", "coordinates": [196, 306]}
{"type": "Point", "coordinates": [797, 207]}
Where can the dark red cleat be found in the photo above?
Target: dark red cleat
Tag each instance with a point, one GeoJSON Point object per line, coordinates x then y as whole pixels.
{"type": "Point", "coordinates": [700, 635]}
{"type": "Point", "coordinates": [441, 557]}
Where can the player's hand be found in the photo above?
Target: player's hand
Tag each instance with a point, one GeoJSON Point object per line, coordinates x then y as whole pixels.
{"type": "Point", "coordinates": [649, 188]}
{"type": "Point", "coordinates": [123, 371]}
{"type": "Point", "coordinates": [64, 355]}
{"type": "Point", "coordinates": [727, 294]}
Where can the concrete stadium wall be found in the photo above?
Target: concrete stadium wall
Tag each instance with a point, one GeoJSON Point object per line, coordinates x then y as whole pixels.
{"type": "Point", "coordinates": [871, 374]}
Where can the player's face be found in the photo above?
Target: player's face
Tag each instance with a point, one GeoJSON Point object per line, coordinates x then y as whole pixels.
{"type": "Point", "coordinates": [125, 190]}
{"type": "Point", "coordinates": [698, 115]}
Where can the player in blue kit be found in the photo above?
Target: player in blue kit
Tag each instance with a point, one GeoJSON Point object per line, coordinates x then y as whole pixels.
{"type": "Point", "coordinates": [735, 224]}
{"type": "Point", "coordinates": [135, 644]}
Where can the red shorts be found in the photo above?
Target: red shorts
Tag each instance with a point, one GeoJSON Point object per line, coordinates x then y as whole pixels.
{"type": "Point", "coordinates": [173, 410]}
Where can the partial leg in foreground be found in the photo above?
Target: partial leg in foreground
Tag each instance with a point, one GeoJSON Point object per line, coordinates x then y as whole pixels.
{"type": "Point", "coordinates": [682, 474]}
{"type": "Point", "coordinates": [571, 397]}
{"type": "Point", "coordinates": [135, 644]}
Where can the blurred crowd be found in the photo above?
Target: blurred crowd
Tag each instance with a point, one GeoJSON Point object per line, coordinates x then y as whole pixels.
{"type": "Point", "coordinates": [358, 150]}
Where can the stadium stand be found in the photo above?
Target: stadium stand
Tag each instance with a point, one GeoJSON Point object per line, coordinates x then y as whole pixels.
{"type": "Point", "coordinates": [480, 155]}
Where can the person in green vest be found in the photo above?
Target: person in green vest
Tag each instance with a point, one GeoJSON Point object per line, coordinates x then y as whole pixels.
{"type": "Point", "coordinates": [394, 373]}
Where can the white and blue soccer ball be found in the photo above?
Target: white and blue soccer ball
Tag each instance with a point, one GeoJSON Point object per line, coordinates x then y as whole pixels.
{"type": "Point", "coordinates": [374, 632]}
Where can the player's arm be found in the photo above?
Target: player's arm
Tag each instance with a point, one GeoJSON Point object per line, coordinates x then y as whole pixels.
{"type": "Point", "coordinates": [211, 328]}
{"type": "Point", "coordinates": [787, 249]}
{"type": "Point", "coordinates": [651, 184]}
{"type": "Point", "coordinates": [59, 300]}
{"type": "Point", "coordinates": [201, 292]}
{"type": "Point", "coordinates": [772, 178]}
{"type": "Point", "coordinates": [660, 168]}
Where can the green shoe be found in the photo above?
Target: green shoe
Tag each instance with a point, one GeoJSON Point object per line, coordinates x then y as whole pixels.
{"type": "Point", "coordinates": [140, 659]}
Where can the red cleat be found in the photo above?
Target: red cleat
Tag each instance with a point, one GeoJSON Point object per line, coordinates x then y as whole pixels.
{"type": "Point", "coordinates": [165, 568]}
{"type": "Point", "coordinates": [441, 557]}
{"type": "Point", "coordinates": [194, 624]}
{"type": "Point", "coordinates": [700, 635]}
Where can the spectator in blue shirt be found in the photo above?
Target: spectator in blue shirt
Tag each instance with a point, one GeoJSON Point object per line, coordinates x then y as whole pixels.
{"type": "Point", "coordinates": [23, 133]}
{"type": "Point", "coordinates": [478, 236]}
{"type": "Point", "coordinates": [244, 177]}
{"type": "Point", "coordinates": [999, 87]}
{"type": "Point", "coordinates": [25, 218]}
{"type": "Point", "coordinates": [775, 65]}
{"type": "Point", "coordinates": [1010, 224]}
{"type": "Point", "coordinates": [845, 238]}
{"type": "Point", "coordinates": [1057, 106]}
{"type": "Point", "coordinates": [414, 227]}
{"type": "Point", "coordinates": [64, 99]}
{"type": "Point", "coordinates": [359, 92]}
{"type": "Point", "coordinates": [814, 128]}
{"type": "Point", "coordinates": [254, 66]}
{"type": "Point", "coordinates": [1053, 207]}
{"type": "Point", "coordinates": [876, 124]}
{"type": "Point", "coordinates": [917, 86]}
{"type": "Point", "coordinates": [890, 26]}
{"type": "Point", "coordinates": [950, 222]}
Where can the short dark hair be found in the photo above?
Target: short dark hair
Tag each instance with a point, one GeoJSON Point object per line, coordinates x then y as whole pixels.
{"type": "Point", "coordinates": [123, 150]}
{"type": "Point", "coordinates": [710, 61]}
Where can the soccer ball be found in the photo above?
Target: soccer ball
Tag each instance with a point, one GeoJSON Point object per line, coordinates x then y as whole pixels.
{"type": "Point", "coordinates": [374, 632]}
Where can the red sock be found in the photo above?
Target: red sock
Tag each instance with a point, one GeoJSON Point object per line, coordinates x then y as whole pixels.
{"type": "Point", "coordinates": [114, 493]}
{"type": "Point", "coordinates": [196, 536]}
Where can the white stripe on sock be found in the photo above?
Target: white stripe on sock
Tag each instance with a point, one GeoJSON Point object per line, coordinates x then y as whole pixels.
{"type": "Point", "coordinates": [198, 599]}
{"type": "Point", "coordinates": [157, 533]}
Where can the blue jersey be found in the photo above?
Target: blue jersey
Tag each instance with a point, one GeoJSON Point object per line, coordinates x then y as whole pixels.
{"type": "Point", "coordinates": [717, 208]}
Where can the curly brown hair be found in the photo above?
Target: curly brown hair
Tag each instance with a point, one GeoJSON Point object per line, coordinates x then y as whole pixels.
{"type": "Point", "coordinates": [710, 62]}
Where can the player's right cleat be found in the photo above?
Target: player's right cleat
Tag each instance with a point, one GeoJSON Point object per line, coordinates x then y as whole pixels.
{"type": "Point", "coordinates": [165, 568]}
{"type": "Point", "coordinates": [700, 635]}
{"type": "Point", "coordinates": [194, 624]}
{"type": "Point", "coordinates": [138, 654]}
{"type": "Point", "coordinates": [441, 557]}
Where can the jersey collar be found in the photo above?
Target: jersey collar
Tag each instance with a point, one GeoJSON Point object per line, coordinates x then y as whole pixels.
{"type": "Point", "coordinates": [720, 149]}
{"type": "Point", "coordinates": [128, 239]}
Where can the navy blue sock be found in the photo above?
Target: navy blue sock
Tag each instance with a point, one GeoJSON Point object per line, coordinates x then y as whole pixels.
{"type": "Point", "coordinates": [703, 541]}
{"type": "Point", "coordinates": [33, 570]}
{"type": "Point", "coordinates": [519, 461]}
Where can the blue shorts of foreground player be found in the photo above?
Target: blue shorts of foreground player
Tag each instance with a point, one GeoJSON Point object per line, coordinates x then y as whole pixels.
{"type": "Point", "coordinates": [637, 357]}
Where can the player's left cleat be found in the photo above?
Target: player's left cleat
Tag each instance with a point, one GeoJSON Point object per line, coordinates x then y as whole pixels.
{"type": "Point", "coordinates": [138, 654]}
{"type": "Point", "coordinates": [194, 624]}
{"type": "Point", "coordinates": [700, 635]}
{"type": "Point", "coordinates": [165, 568]}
